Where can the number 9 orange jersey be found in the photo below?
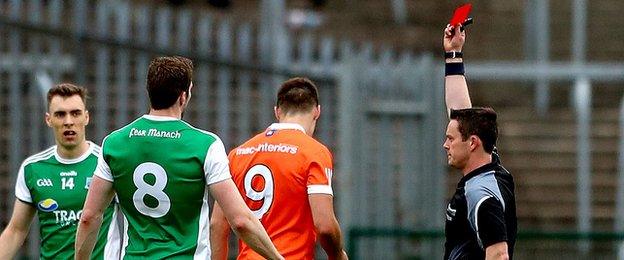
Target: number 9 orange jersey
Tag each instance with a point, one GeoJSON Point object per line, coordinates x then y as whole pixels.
{"type": "Point", "coordinates": [275, 171]}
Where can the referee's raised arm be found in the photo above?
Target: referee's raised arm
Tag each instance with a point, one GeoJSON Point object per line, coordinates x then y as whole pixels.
{"type": "Point", "coordinates": [455, 86]}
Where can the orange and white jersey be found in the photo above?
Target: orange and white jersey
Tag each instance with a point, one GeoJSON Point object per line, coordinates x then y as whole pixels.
{"type": "Point", "coordinates": [275, 171]}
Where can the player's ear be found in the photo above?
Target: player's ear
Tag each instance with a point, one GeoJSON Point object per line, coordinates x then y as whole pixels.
{"type": "Point", "coordinates": [182, 98]}
{"type": "Point", "coordinates": [86, 117]}
{"type": "Point", "coordinates": [277, 112]}
{"type": "Point", "coordinates": [47, 119]}
{"type": "Point", "coordinates": [189, 92]}
{"type": "Point", "coordinates": [317, 112]}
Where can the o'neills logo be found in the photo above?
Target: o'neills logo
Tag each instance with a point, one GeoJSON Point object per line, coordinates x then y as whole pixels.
{"type": "Point", "coordinates": [266, 147]}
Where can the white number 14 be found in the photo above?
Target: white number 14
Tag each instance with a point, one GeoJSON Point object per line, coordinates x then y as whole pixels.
{"type": "Point", "coordinates": [67, 183]}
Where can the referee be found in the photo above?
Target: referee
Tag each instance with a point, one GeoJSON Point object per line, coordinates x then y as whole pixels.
{"type": "Point", "coordinates": [481, 216]}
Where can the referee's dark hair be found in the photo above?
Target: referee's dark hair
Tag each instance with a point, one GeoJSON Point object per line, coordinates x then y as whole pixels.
{"type": "Point", "coordinates": [479, 121]}
{"type": "Point", "coordinates": [297, 95]}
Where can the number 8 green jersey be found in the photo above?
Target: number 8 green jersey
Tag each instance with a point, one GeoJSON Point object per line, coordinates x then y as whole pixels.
{"type": "Point", "coordinates": [160, 168]}
{"type": "Point", "coordinates": [57, 188]}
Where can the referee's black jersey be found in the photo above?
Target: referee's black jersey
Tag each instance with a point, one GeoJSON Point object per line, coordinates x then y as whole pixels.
{"type": "Point", "coordinates": [481, 213]}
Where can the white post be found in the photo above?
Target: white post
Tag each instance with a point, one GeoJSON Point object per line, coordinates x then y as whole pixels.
{"type": "Point", "coordinates": [582, 106]}
{"type": "Point", "coordinates": [583, 109]}
{"type": "Point", "coordinates": [619, 199]}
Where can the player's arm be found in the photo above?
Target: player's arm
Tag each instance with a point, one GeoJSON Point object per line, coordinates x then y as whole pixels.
{"type": "Point", "coordinates": [243, 222]}
{"type": "Point", "coordinates": [16, 231]}
{"type": "Point", "coordinates": [455, 86]}
{"type": "Point", "coordinates": [99, 197]}
{"type": "Point", "coordinates": [219, 234]}
{"type": "Point", "coordinates": [326, 224]}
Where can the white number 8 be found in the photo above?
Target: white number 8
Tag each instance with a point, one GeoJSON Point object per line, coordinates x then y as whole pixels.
{"type": "Point", "coordinates": [155, 191]}
{"type": "Point", "coordinates": [265, 195]}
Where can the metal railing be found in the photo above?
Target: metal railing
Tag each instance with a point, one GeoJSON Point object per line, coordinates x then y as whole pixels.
{"type": "Point", "coordinates": [358, 234]}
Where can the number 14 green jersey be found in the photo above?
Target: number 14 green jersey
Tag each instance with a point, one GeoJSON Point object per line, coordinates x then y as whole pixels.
{"type": "Point", "coordinates": [57, 188]}
{"type": "Point", "coordinates": [160, 168]}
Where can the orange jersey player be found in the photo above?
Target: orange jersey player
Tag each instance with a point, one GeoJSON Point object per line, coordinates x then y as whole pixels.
{"type": "Point", "coordinates": [275, 172]}
{"type": "Point", "coordinates": [284, 176]}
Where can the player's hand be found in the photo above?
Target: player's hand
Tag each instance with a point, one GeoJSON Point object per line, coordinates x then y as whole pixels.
{"type": "Point", "coordinates": [454, 38]}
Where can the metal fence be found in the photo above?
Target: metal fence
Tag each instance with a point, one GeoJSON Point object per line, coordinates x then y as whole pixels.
{"type": "Point", "coordinates": [391, 180]}
{"type": "Point", "coordinates": [382, 110]}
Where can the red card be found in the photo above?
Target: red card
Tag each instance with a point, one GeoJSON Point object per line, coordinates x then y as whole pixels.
{"type": "Point", "coordinates": [461, 14]}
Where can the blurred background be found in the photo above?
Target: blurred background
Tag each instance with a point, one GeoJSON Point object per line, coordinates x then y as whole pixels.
{"type": "Point", "coordinates": [553, 70]}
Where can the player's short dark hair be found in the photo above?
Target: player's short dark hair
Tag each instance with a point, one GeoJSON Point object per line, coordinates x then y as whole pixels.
{"type": "Point", "coordinates": [67, 90]}
{"type": "Point", "coordinates": [167, 78]}
{"type": "Point", "coordinates": [297, 95]}
{"type": "Point", "coordinates": [477, 121]}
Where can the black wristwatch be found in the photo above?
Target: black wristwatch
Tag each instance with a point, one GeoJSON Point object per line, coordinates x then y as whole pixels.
{"type": "Point", "coordinates": [453, 54]}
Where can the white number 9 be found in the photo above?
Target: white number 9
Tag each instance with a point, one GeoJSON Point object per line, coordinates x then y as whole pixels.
{"type": "Point", "coordinates": [266, 194]}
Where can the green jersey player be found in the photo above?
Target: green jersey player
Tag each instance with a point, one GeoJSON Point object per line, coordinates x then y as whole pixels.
{"type": "Point", "coordinates": [162, 169]}
{"type": "Point", "coordinates": [54, 183]}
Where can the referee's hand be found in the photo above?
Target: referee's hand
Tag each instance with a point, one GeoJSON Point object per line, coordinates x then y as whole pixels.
{"type": "Point", "coordinates": [454, 38]}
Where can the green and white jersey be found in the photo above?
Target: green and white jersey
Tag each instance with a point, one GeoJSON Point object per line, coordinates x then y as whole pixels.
{"type": "Point", "coordinates": [57, 188]}
{"type": "Point", "coordinates": [160, 168]}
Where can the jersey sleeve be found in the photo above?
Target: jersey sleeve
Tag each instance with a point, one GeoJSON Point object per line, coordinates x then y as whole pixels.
{"type": "Point", "coordinates": [216, 164]}
{"type": "Point", "coordinates": [102, 169]}
{"type": "Point", "coordinates": [486, 208]}
{"type": "Point", "coordinates": [491, 222]}
{"type": "Point", "coordinates": [21, 189]}
{"type": "Point", "coordinates": [320, 172]}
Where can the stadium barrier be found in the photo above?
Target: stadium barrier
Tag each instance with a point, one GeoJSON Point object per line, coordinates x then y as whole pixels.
{"type": "Point", "coordinates": [552, 243]}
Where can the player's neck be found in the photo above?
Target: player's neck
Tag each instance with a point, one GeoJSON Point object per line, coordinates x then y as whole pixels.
{"type": "Point", "coordinates": [72, 152]}
{"type": "Point", "coordinates": [476, 161]}
{"type": "Point", "coordinates": [302, 120]}
{"type": "Point", "coordinates": [174, 112]}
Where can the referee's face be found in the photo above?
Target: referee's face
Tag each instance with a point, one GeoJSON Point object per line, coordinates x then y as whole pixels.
{"type": "Point", "coordinates": [457, 150]}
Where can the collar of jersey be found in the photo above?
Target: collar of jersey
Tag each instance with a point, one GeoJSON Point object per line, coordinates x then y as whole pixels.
{"type": "Point", "coordinates": [160, 118]}
{"type": "Point", "coordinates": [74, 160]}
{"type": "Point", "coordinates": [483, 169]}
{"type": "Point", "coordinates": [282, 126]}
